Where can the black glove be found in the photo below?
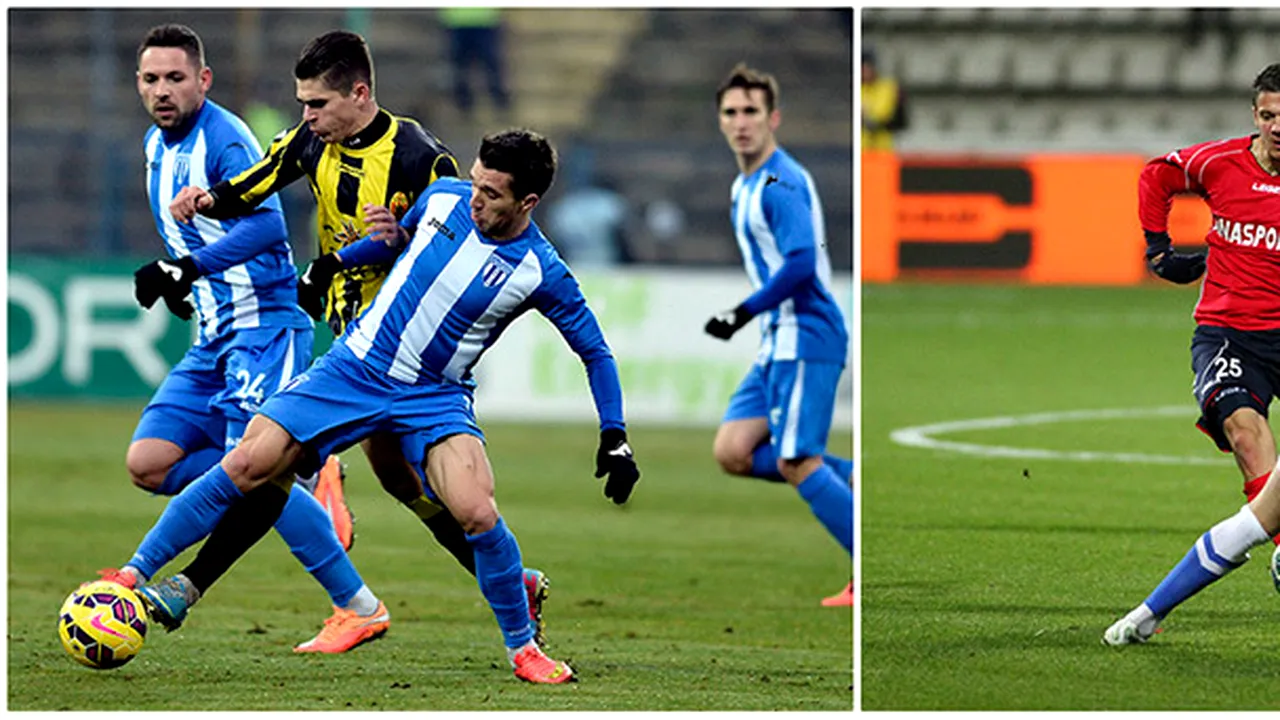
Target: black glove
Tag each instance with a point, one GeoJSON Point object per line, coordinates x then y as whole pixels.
{"type": "Point", "coordinates": [615, 460]}
{"type": "Point", "coordinates": [728, 322]}
{"type": "Point", "coordinates": [314, 284]}
{"type": "Point", "coordinates": [1172, 266]}
{"type": "Point", "coordinates": [168, 279]}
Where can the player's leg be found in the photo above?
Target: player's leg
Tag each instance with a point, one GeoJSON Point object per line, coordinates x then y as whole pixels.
{"type": "Point", "coordinates": [802, 399]}
{"type": "Point", "coordinates": [251, 479]}
{"type": "Point", "coordinates": [742, 440]}
{"type": "Point", "coordinates": [1233, 390]}
{"type": "Point", "coordinates": [1252, 445]}
{"type": "Point", "coordinates": [179, 436]}
{"type": "Point", "coordinates": [1219, 551]}
{"type": "Point", "coordinates": [402, 482]}
{"type": "Point", "coordinates": [459, 474]}
{"type": "Point", "coordinates": [260, 362]}
{"type": "Point", "coordinates": [327, 408]}
{"type": "Point", "coordinates": [742, 445]}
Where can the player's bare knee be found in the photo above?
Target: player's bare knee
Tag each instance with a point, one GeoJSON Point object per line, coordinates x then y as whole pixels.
{"type": "Point", "coordinates": [477, 518]}
{"type": "Point", "coordinates": [246, 468]}
{"type": "Point", "coordinates": [145, 468]}
{"type": "Point", "coordinates": [731, 456]}
{"type": "Point", "coordinates": [1250, 438]}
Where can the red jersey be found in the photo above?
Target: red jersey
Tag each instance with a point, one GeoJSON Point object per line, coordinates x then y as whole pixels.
{"type": "Point", "coordinates": [1241, 287]}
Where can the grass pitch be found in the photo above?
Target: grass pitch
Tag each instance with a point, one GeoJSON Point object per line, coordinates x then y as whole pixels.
{"type": "Point", "coordinates": [702, 594]}
{"type": "Point", "coordinates": [988, 581]}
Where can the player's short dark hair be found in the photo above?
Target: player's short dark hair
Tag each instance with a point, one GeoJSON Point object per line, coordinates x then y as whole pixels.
{"type": "Point", "coordinates": [339, 58]}
{"type": "Point", "coordinates": [524, 155]}
{"type": "Point", "coordinates": [1267, 81]}
{"type": "Point", "coordinates": [174, 36]}
{"type": "Point", "coordinates": [747, 78]}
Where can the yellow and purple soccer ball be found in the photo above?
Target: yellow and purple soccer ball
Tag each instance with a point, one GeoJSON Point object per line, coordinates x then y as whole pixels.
{"type": "Point", "coordinates": [102, 625]}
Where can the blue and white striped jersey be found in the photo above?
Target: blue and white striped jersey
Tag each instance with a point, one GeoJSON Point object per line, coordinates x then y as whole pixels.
{"type": "Point", "coordinates": [248, 277]}
{"type": "Point", "coordinates": [452, 292]}
{"type": "Point", "coordinates": [777, 218]}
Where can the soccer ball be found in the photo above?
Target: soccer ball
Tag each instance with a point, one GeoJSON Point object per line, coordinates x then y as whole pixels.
{"type": "Point", "coordinates": [102, 625]}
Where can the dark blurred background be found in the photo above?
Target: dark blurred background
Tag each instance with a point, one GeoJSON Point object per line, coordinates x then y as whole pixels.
{"type": "Point", "coordinates": [626, 95]}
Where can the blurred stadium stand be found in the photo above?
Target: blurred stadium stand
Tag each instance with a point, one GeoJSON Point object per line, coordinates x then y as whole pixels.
{"type": "Point", "coordinates": [626, 92]}
{"type": "Point", "coordinates": [1072, 79]}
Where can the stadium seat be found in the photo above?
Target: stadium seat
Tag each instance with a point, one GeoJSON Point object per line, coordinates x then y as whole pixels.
{"type": "Point", "coordinates": [895, 16]}
{"type": "Point", "coordinates": [1030, 121]}
{"type": "Point", "coordinates": [1037, 62]}
{"type": "Point", "coordinates": [1144, 61]}
{"type": "Point", "coordinates": [1091, 64]}
{"type": "Point", "coordinates": [929, 62]}
{"type": "Point", "coordinates": [1167, 18]}
{"type": "Point", "coordinates": [1117, 16]}
{"type": "Point", "coordinates": [1255, 51]}
{"type": "Point", "coordinates": [952, 16]}
{"type": "Point", "coordinates": [985, 63]}
{"type": "Point", "coordinates": [1200, 67]}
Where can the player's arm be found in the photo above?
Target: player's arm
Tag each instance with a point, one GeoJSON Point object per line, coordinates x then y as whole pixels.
{"type": "Point", "coordinates": [1160, 181]}
{"type": "Point", "coordinates": [560, 300]}
{"type": "Point", "coordinates": [239, 194]}
{"type": "Point", "coordinates": [788, 213]}
{"type": "Point", "coordinates": [253, 235]}
{"type": "Point", "coordinates": [381, 245]}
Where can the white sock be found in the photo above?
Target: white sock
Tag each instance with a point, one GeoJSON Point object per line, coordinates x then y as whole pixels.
{"type": "Point", "coordinates": [136, 573]}
{"type": "Point", "coordinates": [365, 603]}
{"type": "Point", "coordinates": [1144, 618]}
{"type": "Point", "coordinates": [513, 652]}
{"type": "Point", "coordinates": [1233, 537]}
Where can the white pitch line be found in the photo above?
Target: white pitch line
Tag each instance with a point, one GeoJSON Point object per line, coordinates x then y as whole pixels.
{"type": "Point", "coordinates": [922, 436]}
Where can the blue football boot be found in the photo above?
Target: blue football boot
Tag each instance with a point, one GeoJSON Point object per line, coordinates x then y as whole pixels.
{"type": "Point", "coordinates": [169, 600]}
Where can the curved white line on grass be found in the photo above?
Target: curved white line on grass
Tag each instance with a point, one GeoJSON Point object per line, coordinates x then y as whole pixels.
{"type": "Point", "coordinates": [922, 436]}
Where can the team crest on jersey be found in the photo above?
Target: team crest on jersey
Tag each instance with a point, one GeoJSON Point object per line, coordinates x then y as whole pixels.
{"type": "Point", "coordinates": [181, 169]}
{"type": "Point", "coordinates": [399, 203]}
{"type": "Point", "coordinates": [496, 271]}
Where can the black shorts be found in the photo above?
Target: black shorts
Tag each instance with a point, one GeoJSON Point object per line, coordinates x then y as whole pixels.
{"type": "Point", "coordinates": [1233, 369]}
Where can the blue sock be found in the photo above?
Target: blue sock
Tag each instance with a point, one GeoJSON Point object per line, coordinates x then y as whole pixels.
{"type": "Point", "coordinates": [191, 466]}
{"type": "Point", "coordinates": [501, 576]}
{"type": "Point", "coordinates": [831, 500]}
{"type": "Point", "coordinates": [306, 527]}
{"type": "Point", "coordinates": [764, 463]}
{"type": "Point", "coordinates": [1189, 576]}
{"type": "Point", "coordinates": [842, 467]}
{"type": "Point", "coordinates": [186, 520]}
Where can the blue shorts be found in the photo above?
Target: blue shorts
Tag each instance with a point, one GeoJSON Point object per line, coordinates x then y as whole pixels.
{"type": "Point", "coordinates": [340, 401]}
{"type": "Point", "coordinates": [796, 397]}
{"type": "Point", "coordinates": [220, 382]}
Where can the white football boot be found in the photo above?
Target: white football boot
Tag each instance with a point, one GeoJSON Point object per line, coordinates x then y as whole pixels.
{"type": "Point", "coordinates": [1135, 628]}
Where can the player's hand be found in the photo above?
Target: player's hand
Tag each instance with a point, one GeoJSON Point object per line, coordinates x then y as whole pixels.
{"type": "Point", "coordinates": [614, 459]}
{"type": "Point", "coordinates": [189, 201]}
{"type": "Point", "coordinates": [314, 284]}
{"type": "Point", "coordinates": [1173, 266]}
{"type": "Point", "coordinates": [381, 224]}
{"type": "Point", "coordinates": [168, 279]}
{"type": "Point", "coordinates": [728, 322]}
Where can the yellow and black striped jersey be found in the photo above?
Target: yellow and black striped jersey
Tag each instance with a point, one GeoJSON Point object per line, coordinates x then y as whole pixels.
{"type": "Point", "coordinates": [389, 163]}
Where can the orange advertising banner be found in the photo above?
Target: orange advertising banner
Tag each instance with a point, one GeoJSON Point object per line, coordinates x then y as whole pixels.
{"type": "Point", "coordinates": [1052, 219]}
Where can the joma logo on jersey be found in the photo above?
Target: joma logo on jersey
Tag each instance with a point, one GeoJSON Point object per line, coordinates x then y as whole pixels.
{"type": "Point", "coordinates": [496, 271]}
{"type": "Point", "coordinates": [1247, 234]}
{"type": "Point", "coordinates": [440, 228]}
{"type": "Point", "coordinates": [1263, 187]}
